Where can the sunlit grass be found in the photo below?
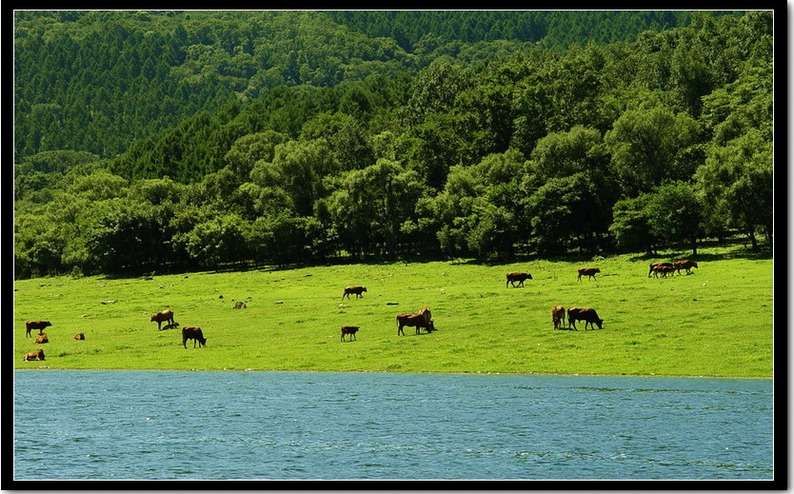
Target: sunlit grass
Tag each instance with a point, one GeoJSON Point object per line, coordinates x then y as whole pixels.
{"type": "Point", "coordinates": [714, 322]}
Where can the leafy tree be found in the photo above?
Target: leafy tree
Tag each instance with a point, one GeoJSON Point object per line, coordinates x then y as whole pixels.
{"type": "Point", "coordinates": [368, 207]}
{"type": "Point", "coordinates": [631, 227]}
{"type": "Point", "coordinates": [651, 146]}
{"type": "Point", "coordinates": [222, 239]}
{"type": "Point", "coordinates": [736, 184]}
{"type": "Point", "coordinates": [674, 214]}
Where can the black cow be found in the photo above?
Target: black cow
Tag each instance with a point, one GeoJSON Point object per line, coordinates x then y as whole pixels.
{"type": "Point", "coordinates": [586, 314]}
{"type": "Point", "coordinates": [40, 325]}
{"type": "Point", "coordinates": [516, 276]}
{"type": "Point", "coordinates": [357, 290]}
{"type": "Point", "coordinates": [193, 333]}
{"type": "Point", "coordinates": [351, 330]}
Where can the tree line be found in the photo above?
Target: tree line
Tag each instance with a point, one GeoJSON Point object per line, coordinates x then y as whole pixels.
{"type": "Point", "coordinates": [594, 148]}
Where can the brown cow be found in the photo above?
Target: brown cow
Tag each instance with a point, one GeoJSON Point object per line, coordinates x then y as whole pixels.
{"type": "Point", "coordinates": [586, 314]}
{"type": "Point", "coordinates": [79, 336]}
{"type": "Point", "coordinates": [42, 338]}
{"type": "Point", "coordinates": [173, 325]}
{"type": "Point", "coordinates": [558, 316]}
{"type": "Point", "coordinates": [193, 333]}
{"type": "Point", "coordinates": [351, 330]}
{"type": "Point", "coordinates": [354, 289]}
{"type": "Point", "coordinates": [685, 264]}
{"type": "Point", "coordinates": [517, 276]}
{"type": "Point", "coordinates": [654, 264]}
{"type": "Point", "coordinates": [163, 316]}
{"type": "Point", "coordinates": [422, 319]}
{"type": "Point", "coordinates": [590, 272]}
{"type": "Point", "coordinates": [37, 355]}
{"type": "Point", "coordinates": [664, 270]}
{"type": "Point", "coordinates": [40, 325]}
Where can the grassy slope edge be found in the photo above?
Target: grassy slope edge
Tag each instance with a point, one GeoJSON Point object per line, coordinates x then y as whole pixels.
{"type": "Point", "coordinates": [714, 322]}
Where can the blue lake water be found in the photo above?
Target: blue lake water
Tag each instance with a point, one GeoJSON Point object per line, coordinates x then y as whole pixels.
{"type": "Point", "coordinates": [152, 425]}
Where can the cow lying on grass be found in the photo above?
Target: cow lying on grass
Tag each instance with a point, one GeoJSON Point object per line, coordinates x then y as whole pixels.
{"type": "Point", "coordinates": [37, 355]}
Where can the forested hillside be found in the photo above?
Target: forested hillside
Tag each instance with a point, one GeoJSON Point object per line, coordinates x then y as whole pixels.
{"type": "Point", "coordinates": [94, 81]}
{"type": "Point", "coordinates": [278, 137]}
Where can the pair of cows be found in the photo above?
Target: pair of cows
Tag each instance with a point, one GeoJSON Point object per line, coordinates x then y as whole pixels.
{"type": "Point", "coordinates": [419, 320]}
{"type": "Point", "coordinates": [586, 314]}
{"type": "Point", "coordinates": [664, 268]}
{"type": "Point", "coordinates": [188, 332]}
{"type": "Point", "coordinates": [519, 277]}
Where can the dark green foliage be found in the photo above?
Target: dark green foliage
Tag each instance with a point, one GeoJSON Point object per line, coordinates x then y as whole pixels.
{"type": "Point", "coordinates": [181, 140]}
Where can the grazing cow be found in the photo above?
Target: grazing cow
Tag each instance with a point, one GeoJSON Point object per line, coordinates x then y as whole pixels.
{"type": "Point", "coordinates": [37, 355]}
{"type": "Point", "coordinates": [42, 338]}
{"type": "Point", "coordinates": [40, 325]}
{"type": "Point", "coordinates": [516, 276]}
{"type": "Point", "coordinates": [685, 264]}
{"type": "Point", "coordinates": [420, 320]}
{"type": "Point", "coordinates": [79, 336]}
{"type": "Point", "coordinates": [664, 270]}
{"type": "Point", "coordinates": [193, 333]}
{"type": "Point", "coordinates": [354, 289]}
{"type": "Point", "coordinates": [558, 316]}
{"type": "Point", "coordinates": [586, 314]}
{"type": "Point", "coordinates": [351, 330]}
{"type": "Point", "coordinates": [655, 264]}
{"type": "Point", "coordinates": [166, 315]}
{"type": "Point", "coordinates": [590, 272]}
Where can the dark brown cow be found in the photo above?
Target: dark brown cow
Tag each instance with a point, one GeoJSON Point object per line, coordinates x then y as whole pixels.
{"type": "Point", "coordinates": [558, 316]}
{"type": "Point", "coordinates": [40, 325]}
{"type": "Point", "coordinates": [517, 276]}
{"type": "Point", "coordinates": [590, 272]}
{"type": "Point", "coordinates": [37, 355]}
{"type": "Point", "coordinates": [664, 270]}
{"type": "Point", "coordinates": [42, 338]}
{"type": "Point", "coordinates": [193, 333]}
{"type": "Point", "coordinates": [586, 314]}
{"type": "Point", "coordinates": [655, 264]}
{"type": "Point", "coordinates": [354, 289]}
{"type": "Point", "coordinates": [351, 330]}
{"type": "Point", "coordinates": [685, 264]}
{"type": "Point", "coordinates": [79, 336]}
{"type": "Point", "coordinates": [422, 319]}
{"type": "Point", "coordinates": [173, 325]}
{"type": "Point", "coordinates": [166, 315]}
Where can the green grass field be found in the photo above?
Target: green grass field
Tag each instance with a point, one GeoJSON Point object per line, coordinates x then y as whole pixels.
{"type": "Point", "coordinates": [714, 322]}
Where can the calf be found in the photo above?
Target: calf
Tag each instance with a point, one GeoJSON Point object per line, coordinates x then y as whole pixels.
{"type": "Point", "coordinates": [193, 333]}
{"type": "Point", "coordinates": [655, 264]}
{"type": "Point", "coordinates": [590, 272]}
{"type": "Point", "coordinates": [42, 338]}
{"type": "Point", "coordinates": [684, 264]}
{"type": "Point", "coordinates": [40, 325]}
{"type": "Point", "coordinates": [558, 316]}
{"type": "Point", "coordinates": [37, 355]}
{"type": "Point", "coordinates": [586, 314]}
{"type": "Point", "coordinates": [79, 336]}
{"type": "Point", "coordinates": [166, 315]}
{"type": "Point", "coordinates": [663, 270]}
{"type": "Point", "coordinates": [516, 276]}
{"type": "Point", "coordinates": [351, 330]}
{"type": "Point", "coordinates": [356, 289]}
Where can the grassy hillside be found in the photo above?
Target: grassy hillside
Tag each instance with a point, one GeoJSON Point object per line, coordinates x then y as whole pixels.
{"type": "Point", "coordinates": [714, 322]}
